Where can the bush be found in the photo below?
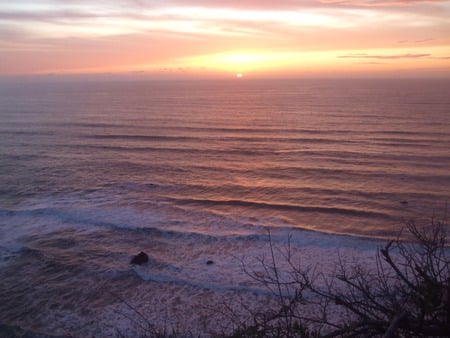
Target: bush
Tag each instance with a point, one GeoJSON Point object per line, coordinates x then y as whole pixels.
{"type": "Point", "coordinates": [407, 294]}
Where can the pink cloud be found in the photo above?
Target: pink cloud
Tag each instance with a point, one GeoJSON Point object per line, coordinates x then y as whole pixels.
{"type": "Point", "coordinates": [384, 57]}
{"type": "Point", "coordinates": [47, 34]}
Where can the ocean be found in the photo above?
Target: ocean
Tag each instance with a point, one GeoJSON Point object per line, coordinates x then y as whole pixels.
{"type": "Point", "coordinates": [197, 172]}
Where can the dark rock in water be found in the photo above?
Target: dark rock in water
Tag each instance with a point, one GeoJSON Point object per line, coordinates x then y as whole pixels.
{"type": "Point", "coordinates": [140, 258]}
{"type": "Point", "coordinates": [209, 262]}
{"type": "Point", "coordinates": [404, 202]}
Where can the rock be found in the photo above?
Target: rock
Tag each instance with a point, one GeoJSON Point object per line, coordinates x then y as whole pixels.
{"type": "Point", "coordinates": [209, 262]}
{"type": "Point", "coordinates": [404, 202]}
{"type": "Point", "coordinates": [140, 258]}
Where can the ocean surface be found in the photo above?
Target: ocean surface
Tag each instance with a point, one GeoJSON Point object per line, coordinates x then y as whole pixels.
{"type": "Point", "coordinates": [91, 173]}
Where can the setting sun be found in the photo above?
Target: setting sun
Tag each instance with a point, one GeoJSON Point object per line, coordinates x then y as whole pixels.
{"type": "Point", "coordinates": [239, 75]}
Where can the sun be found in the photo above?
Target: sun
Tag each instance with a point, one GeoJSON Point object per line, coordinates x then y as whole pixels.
{"type": "Point", "coordinates": [239, 75]}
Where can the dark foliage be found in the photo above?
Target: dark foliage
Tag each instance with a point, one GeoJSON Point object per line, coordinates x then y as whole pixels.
{"type": "Point", "coordinates": [407, 293]}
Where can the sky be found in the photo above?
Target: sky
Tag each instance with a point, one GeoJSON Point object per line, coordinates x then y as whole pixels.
{"type": "Point", "coordinates": [257, 38]}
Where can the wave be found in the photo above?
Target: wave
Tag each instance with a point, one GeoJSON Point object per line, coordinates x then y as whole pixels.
{"type": "Point", "coordinates": [200, 226]}
{"type": "Point", "coordinates": [329, 155]}
{"type": "Point", "coordinates": [205, 285]}
{"type": "Point", "coordinates": [214, 130]}
{"type": "Point", "coordinates": [283, 207]}
{"type": "Point", "coordinates": [95, 218]}
{"type": "Point", "coordinates": [281, 137]}
{"type": "Point", "coordinates": [140, 137]}
{"type": "Point", "coordinates": [190, 150]}
{"type": "Point", "coordinates": [265, 138]}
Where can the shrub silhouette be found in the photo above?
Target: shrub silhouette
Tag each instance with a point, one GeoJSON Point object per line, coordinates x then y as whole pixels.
{"type": "Point", "coordinates": [407, 294]}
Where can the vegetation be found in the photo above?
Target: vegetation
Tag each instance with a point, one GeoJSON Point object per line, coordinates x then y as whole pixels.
{"type": "Point", "coordinates": [407, 293]}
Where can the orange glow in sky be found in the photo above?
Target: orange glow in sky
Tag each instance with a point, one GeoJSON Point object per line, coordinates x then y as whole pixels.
{"type": "Point", "coordinates": [224, 38]}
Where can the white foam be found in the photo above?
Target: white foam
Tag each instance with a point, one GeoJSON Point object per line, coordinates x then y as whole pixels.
{"type": "Point", "coordinates": [179, 291]}
{"type": "Point", "coordinates": [177, 282]}
{"type": "Point", "coordinates": [187, 262]}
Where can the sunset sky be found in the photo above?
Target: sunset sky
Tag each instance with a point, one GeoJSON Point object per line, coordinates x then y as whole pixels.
{"type": "Point", "coordinates": [285, 38]}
